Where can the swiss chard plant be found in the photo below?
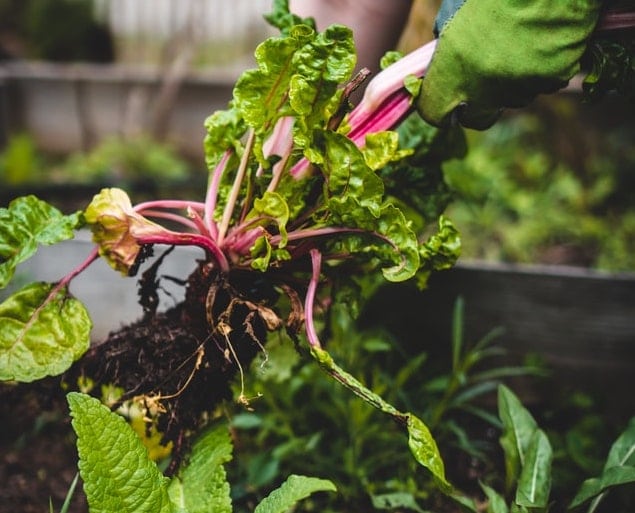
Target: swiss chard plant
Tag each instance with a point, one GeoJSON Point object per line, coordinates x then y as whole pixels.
{"type": "Point", "coordinates": [306, 195]}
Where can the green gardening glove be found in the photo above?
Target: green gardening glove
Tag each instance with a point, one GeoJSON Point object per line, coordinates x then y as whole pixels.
{"type": "Point", "coordinates": [494, 54]}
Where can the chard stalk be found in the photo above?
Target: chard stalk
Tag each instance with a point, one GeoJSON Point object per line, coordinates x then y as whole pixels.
{"type": "Point", "coordinates": [212, 194]}
{"type": "Point", "coordinates": [385, 102]}
{"type": "Point", "coordinates": [311, 333]}
{"type": "Point", "coordinates": [171, 217]}
{"type": "Point", "coordinates": [392, 79]}
{"type": "Point", "coordinates": [187, 239]}
{"type": "Point", "coordinates": [235, 191]}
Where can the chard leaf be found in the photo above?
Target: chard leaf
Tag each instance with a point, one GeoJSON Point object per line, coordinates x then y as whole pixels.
{"type": "Point", "coordinates": [272, 206]}
{"type": "Point", "coordinates": [534, 484]}
{"type": "Point", "coordinates": [394, 225]}
{"type": "Point", "coordinates": [282, 19]}
{"type": "Point", "coordinates": [224, 129]}
{"type": "Point", "coordinates": [518, 429]}
{"type": "Point", "coordinates": [27, 223]}
{"type": "Point", "coordinates": [382, 148]}
{"type": "Point", "coordinates": [347, 173]}
{"type": "Point", "coordinates": [262, 254]}
{"type": "Point", "coordinates": [118, 475]}
{"type": "Point", "coordinates": [424, 448]}
{"type": "Point", "coordinates": [201, 485]}
{"type": "Point", "coordinates": [420, 440]}
{"type": "Point", "coordinates": [260, 95]}
{"type": "Point", "coordinates": [319, 66]}
{"type": "Point", "coordinates": [293, 490]}
{"type": "Point", "coordinates": [441, 250]}
{"type": "Point", "coordinates": [390, 58]}
{"type": "Point", "coordinates": [41, 335]}
{"type": "Point", "coordinates": [388, 236]}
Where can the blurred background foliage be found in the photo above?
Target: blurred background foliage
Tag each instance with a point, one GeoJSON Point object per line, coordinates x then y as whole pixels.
{"type": "Point", "coordinates": [54, 30]}
{"type": "Point", "coordinates": [545, 185]}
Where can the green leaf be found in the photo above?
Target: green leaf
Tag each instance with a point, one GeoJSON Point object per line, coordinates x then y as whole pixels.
{"type": "Point", "coordinates": [593, 487]}
{"type": "Point", "coordinates": [117, 473]}
{"type": "Point", "coordinates": [425, 450]}
{"type": "Point", "coordinates": [495, 502]}
{"type": "Point", "coordinates": [396, 500]}
{"type": "Point", "coordinates": [224, 130]}
{"type": "Point", "coordinates": [262, 253]}
{"type": "Point", "coordinates": [619, 467]}
{"type": "Point", "coordinates": [41, 335]}
{"type": "Point", "coordinates": [294, 489]}
{"type": "Point", "coordinates": [623, 449]}
{"type": "Point", "coordinates": [518, 429]}
{"type": "Point", "coordinates": [272, 207]}
{"type": "Point", "coordinates": [390, 58]}
{"type": "Point", "coordinates": [534, 484]}
{"type": "Point", "coordinates": [347, 172]}
{"type": "Point", "coordinates": [420, 440]}
{"type": "Point", "coordinates": [25, 224]}
{"type": "Point", "coordinates": [319, 66]}
{"type": "Point", "coordinates": [282, 19]}
{"type": "Point", "coordinates": [382, 148]}
{"type": "Point", "coordinates": [442, 249]}
{"type": "Point", "coordinates": [201, 485]}
{"type": "Point", "coordinates": [260, 95]}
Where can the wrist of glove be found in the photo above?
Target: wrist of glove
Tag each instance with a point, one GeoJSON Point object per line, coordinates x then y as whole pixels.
{"type": "Point", "coordinates": [494, 54]}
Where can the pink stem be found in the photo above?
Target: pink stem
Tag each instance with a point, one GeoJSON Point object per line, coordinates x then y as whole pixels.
{"type": "Point", "coordinates": [188, 239]}
{"type": "Point", "coordinates": [311, 333]}
{"type": "Point", "coordinates": [174, 204]}
{"type": "Point", "coordinates": [212, 194]}
{"type": "Point", "coordinates": [171, 217]}
{"type": "Point", "coordinates": [94, 254]}
{"type": "Point", "coordinates": [616, 20]}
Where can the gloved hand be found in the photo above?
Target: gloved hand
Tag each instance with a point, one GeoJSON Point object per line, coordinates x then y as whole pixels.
{"type": "Point", "coordinates": [494, 54]}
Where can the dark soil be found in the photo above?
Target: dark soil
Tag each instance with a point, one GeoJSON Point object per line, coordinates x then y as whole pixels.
{"type": "Point", "coordinates": [180, 363]}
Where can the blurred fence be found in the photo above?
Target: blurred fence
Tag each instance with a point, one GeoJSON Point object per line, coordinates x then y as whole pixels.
{"type": "Point", "coordinates": [221, 31]}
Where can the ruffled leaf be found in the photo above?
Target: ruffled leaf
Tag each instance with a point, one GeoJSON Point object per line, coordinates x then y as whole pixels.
{"type": "Point", "coordinates": [24, 225]}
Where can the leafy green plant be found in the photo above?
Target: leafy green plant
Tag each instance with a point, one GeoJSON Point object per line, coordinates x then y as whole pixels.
{"type": "Point", "coordinates": [294, 212]}
{"type": "Point", "coordinates": [301, 423]}
{"type": "Point", "coordinates": [528, 464]}
{"type": "Point", "coordinates": [119, 476]}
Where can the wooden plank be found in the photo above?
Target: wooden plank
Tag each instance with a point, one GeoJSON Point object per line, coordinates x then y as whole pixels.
{"type": "Point", "coordinates": [581, 322]}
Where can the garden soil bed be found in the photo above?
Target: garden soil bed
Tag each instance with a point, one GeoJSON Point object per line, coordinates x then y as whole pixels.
{"type": "Point", "coordinates": [579, 321]}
